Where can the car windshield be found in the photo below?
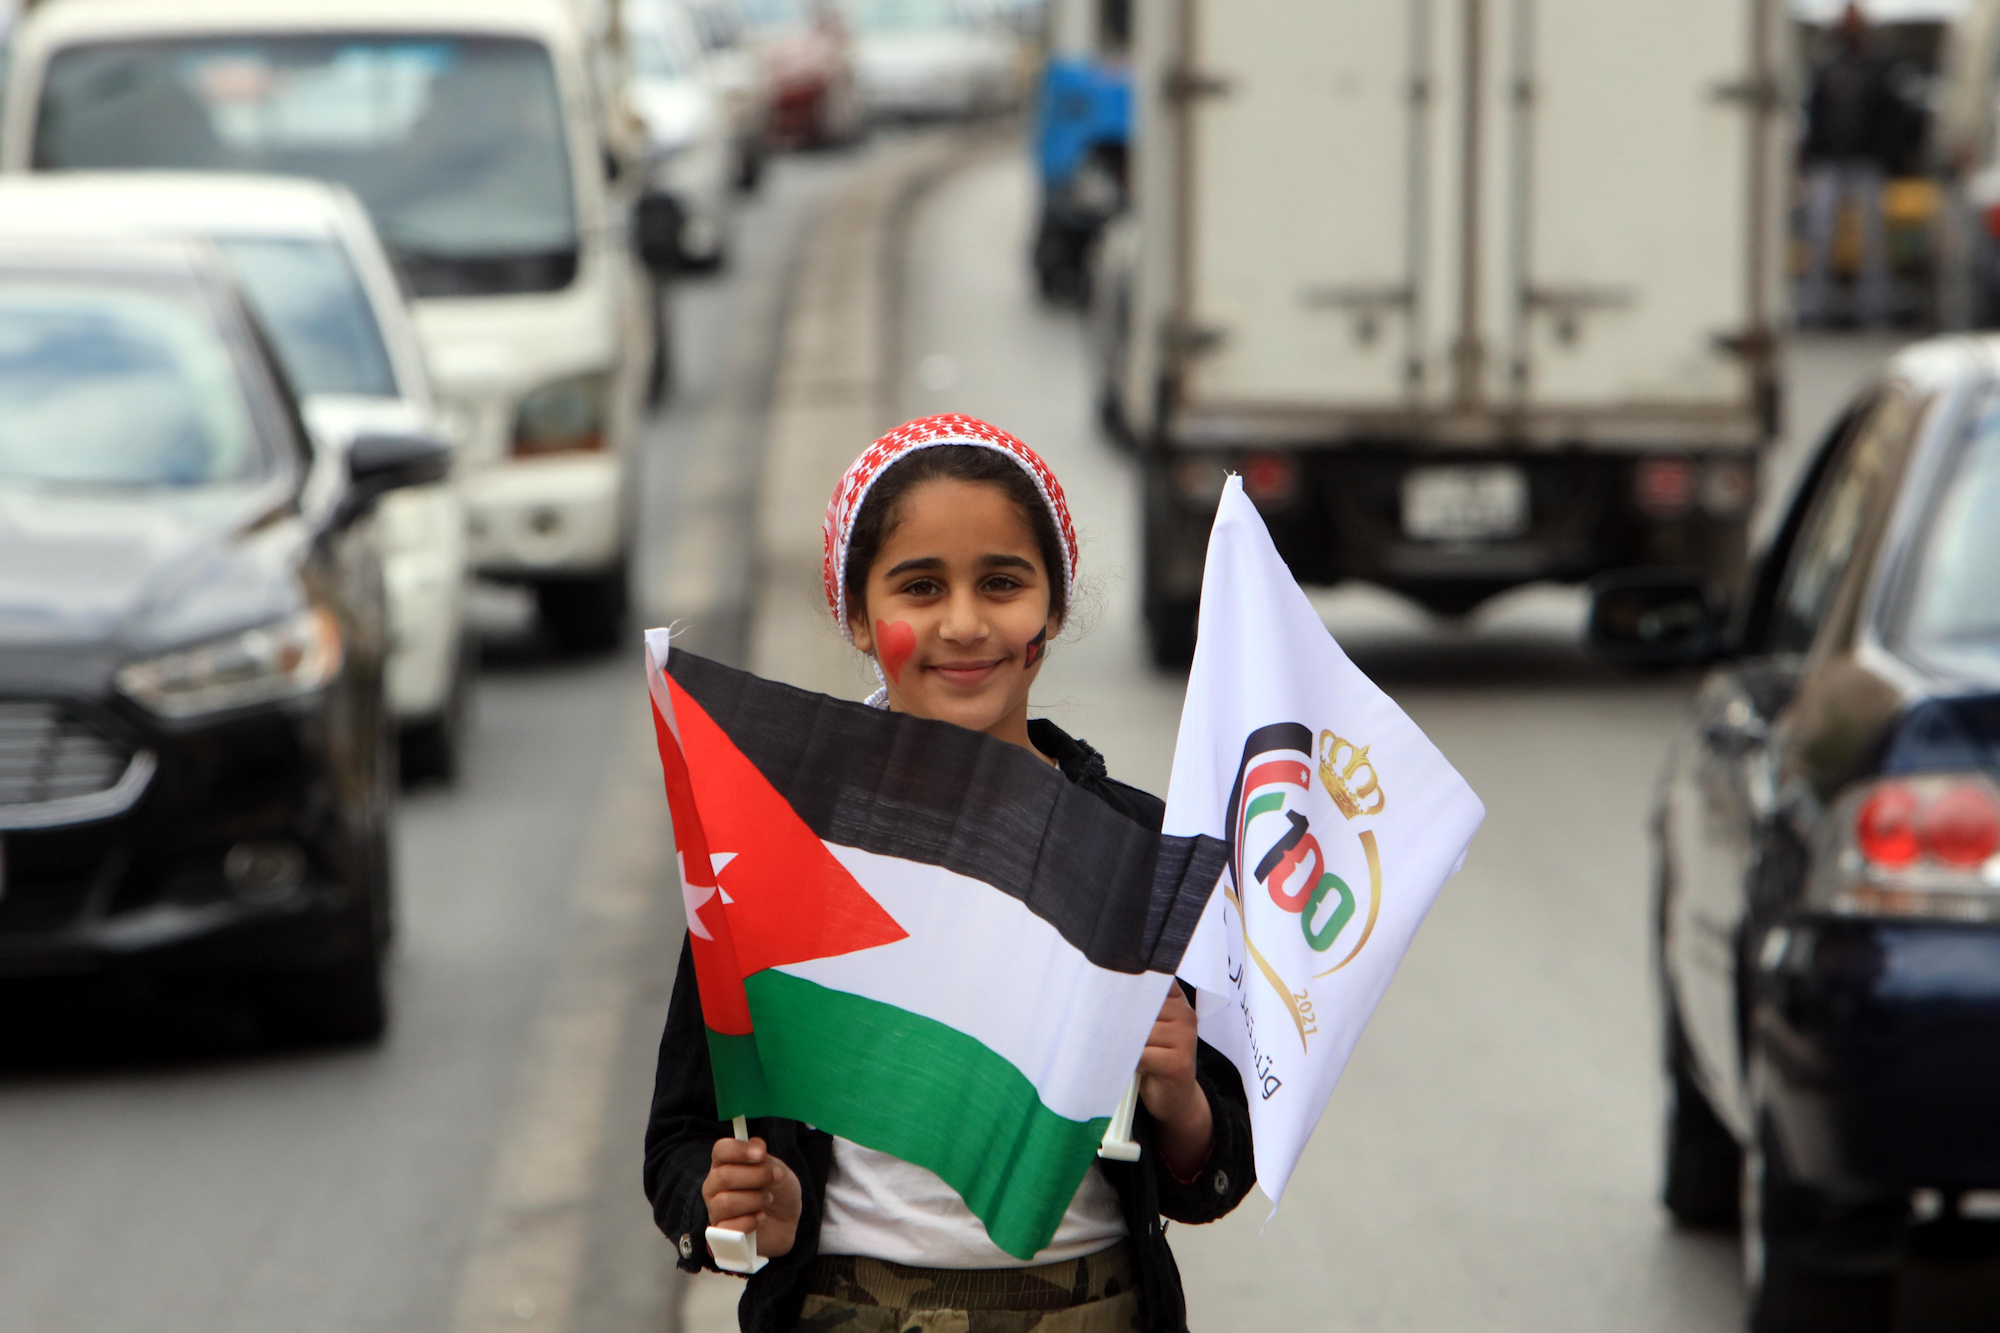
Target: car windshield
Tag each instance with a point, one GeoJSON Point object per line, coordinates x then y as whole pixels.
{"type": "Point", "coordinates": [1954, 610]}
{"type": "Point", "coordinates": [105, 385]}
{"type": "Point", "coordinates": [907, 15]}
{"type": "Point", "coordinates": [659, 52]}
{"type": "Point", "coordinates": [313, 306]}
{"type": "Point", "coordinates": [768, 14]}
{"type": "Point", "coordinates": [455, 144]}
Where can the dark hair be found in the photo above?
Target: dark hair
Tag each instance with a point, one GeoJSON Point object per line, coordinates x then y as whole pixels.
{"type": "Point", "coordinates": [881, 512]}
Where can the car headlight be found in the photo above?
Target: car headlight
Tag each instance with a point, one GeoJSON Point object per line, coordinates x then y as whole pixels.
{"type": "Point", "coordinates": [565, 417]}
{"type": "Point", "coordinates": [285, 658]}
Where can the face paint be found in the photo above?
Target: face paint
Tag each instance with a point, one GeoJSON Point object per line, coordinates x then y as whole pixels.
{"type": "Point", "coordinates": [1038, 647]}
{"type": "Point", "coordinates": [894, 642]}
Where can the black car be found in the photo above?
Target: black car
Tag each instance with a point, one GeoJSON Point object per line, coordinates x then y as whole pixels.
{"type": "Point", "coordinates": [1828, 922]}
{"type": "Point", "coordinates": [196, 765]}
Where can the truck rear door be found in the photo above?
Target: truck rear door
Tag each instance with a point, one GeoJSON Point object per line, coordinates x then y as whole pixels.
{"type": "Point", "coordinates": [1624, 245]}
{"type": "Point", "coordinates": [1472, 220]}
{"type": "Point", "coordinates": [1302, 264]}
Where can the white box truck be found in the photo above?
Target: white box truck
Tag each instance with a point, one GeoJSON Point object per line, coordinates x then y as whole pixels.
{"type": "Point", "coordinates": [1473, 293]}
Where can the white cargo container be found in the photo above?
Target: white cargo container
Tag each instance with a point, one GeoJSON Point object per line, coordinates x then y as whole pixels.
{"type": "Point", "coordinates": [1473, 292]}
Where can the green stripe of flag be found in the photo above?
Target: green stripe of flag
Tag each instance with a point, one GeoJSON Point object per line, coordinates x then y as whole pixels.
{"type": "Point", "coordinates": [909, 1086]}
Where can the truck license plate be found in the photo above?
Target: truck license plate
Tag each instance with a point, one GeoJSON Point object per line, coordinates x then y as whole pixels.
{"type": "Point", "coordinates": [1464, 504]}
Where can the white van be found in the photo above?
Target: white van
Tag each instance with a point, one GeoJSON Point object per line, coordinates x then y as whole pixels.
{"type": "Point", "coordinates": [477, 140]}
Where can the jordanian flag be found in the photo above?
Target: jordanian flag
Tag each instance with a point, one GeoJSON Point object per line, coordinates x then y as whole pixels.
{"type": "Point", "coordinates": [915, 936]}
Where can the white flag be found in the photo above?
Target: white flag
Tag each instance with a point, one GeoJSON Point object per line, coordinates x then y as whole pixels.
{"type": "Point", "coordinates": [1343, 821]}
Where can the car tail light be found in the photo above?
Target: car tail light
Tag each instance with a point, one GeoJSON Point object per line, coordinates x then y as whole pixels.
{"type": "Point", "coordinates": [1923, 845]}
{"type": "Point", "coordinates": [1885, 827]}
{"type": "Point", "coordinates": [1961, 827]}
{"type": "Point", "coordinates": [1993, 221]}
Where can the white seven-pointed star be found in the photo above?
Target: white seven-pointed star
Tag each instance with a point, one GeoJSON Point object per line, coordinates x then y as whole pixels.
{"type": "Point", "coordinates": [694, 897]}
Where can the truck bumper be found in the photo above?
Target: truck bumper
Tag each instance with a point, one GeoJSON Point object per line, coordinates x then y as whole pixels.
{"type": "Point", "coordinates": [1338, 514]}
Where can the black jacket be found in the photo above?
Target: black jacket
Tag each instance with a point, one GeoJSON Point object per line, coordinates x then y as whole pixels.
{"type": "Point", "coordinates": [683, 1129]}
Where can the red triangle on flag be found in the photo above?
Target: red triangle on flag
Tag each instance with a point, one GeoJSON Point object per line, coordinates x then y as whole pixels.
{"type": "Point", "coordinates": [784, 897]}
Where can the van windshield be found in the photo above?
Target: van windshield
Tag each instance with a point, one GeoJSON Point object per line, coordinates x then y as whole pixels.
{"type": "Point", "coordinates": [1953, 615]}
{"type": "Point", "coordinates": [455, 144]}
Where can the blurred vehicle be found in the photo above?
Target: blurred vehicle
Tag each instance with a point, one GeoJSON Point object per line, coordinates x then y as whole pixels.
{"type": "Point", "coordinates": [1828, 922]}
{"type": "Point", "coordinates": [808, 57]}
{"type": "Point", "coordinates": [1487, 338]}
{"type": "Point", "coordinates": [690, 144]}
{"type": "Point", "coordinates": [307, 262]}
{"type": "Point", "coordinates": [742, 79]}
{"type": "Point", "coordinates": [196, 757]}
{"type": "Point", "coordinates": [1083, 131]}
{"type": "Point", "coordinates": [478, 141]}
{"type": "Point", "coordinates": [931, 59]}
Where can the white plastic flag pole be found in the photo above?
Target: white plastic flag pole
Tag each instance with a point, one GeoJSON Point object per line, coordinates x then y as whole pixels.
{"type": "Point", "coordinates": [736, 1251]}
{"type": "Point", "coordinates": [1118, 1144]}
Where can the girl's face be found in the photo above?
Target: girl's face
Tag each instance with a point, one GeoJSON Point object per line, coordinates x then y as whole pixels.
{"type": "Point", "coordinates": [956, 609]}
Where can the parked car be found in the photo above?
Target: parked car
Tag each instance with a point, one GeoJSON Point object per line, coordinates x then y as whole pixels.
{"type": "Point", "coordinates": [308, 263]}
{"type": "Point", "coordinates": [808, 56]}
{"type": "Point", "coordinates": [742, 80]}
{"type": "Point", "coordinates": [1828, 915]}
{"type": "Point", "coordinates": [932, 59]}
{"type": "Point", "coordinates": [690, 139]}
{"type": "Point", "coordinates": [195, 750]}
{"type": "Point", "coordinates": [476, 136]}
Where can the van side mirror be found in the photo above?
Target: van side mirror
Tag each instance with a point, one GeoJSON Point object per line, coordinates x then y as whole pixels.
{"type": "Point", "coordinates": [656, 232]}
{"type": "Point", "coordinates": [382, 461]}
{"type": "Point", "coordinates": [1653, 618]}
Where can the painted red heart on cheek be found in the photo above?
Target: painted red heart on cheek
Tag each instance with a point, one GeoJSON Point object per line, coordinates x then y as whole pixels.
{"type": "Point", "coordinates": [894, 642]}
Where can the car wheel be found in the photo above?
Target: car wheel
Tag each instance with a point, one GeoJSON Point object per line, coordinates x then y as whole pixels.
{"type": "Point", "coordinates": [1704, 1165]}
{"type": "Point", "coordinates": [1793, 1264]}
{"type": "Point", "coordinates": [435, 748]}
{"type": "Point", "coordinates": [585, 615]}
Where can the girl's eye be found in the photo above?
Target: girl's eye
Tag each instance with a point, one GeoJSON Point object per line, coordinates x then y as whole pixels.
{"type": "Point", "coordinates": [921, 588]}
{"type": "Point", "coordinates": [1001, 583]}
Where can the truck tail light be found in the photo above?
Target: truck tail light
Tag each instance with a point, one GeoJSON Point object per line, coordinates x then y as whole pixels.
{"type": "Point", "coordinates": [1918, 846]}
{"type": "Point", "coordinates": [1664, 487]}
{"type": "Point", "coordinates": [1270, 479]}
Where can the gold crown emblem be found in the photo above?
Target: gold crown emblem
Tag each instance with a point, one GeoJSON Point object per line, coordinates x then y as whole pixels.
{"type": "Point", "coordinates": [1350, 795]}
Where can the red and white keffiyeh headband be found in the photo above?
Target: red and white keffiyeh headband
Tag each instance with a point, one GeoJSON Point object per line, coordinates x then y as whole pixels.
{"type": "Point", "coordinates": [952, 428]}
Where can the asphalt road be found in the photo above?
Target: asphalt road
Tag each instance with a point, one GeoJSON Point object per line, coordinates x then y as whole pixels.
{"type": "Point", "coordinates": [1490, 1160]}
{"type": "Point", "coordinates": [164, 1169]}
{"type": "Point", "coordinates": [1488, 1163]}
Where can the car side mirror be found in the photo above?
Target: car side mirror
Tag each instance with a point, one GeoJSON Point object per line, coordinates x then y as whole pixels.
{"type": "Point", "coordinates": [656, 233]}
{"type": "Point", "coordinates": [382, 461]}
{"type": "Point", "coordinates": [1653, 618]}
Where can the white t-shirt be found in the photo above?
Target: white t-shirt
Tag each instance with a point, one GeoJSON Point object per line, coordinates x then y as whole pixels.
{"type": "Point", "coordinates": [885, 1208]}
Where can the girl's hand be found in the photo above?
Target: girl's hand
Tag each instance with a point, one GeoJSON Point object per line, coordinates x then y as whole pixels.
{"type": "Point", "coordinates": [1167, 1086]}
{"type": "Point", "coordinates": [747, 1189]}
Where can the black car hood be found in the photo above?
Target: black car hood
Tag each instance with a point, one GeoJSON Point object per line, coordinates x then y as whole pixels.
{"type": "Point", "coordinates": [89, 580]}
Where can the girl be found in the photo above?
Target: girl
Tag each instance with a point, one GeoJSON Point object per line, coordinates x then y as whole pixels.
{"type": "Point", "coordinates": [951, 561]}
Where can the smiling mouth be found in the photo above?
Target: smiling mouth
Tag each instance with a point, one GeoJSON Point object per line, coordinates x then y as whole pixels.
{"type": "Point", "coordinates": [967, 673]}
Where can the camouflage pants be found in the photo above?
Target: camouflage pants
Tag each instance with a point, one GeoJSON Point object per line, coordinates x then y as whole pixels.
{"type": "Point", "coordinates": [1094, 1294]}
